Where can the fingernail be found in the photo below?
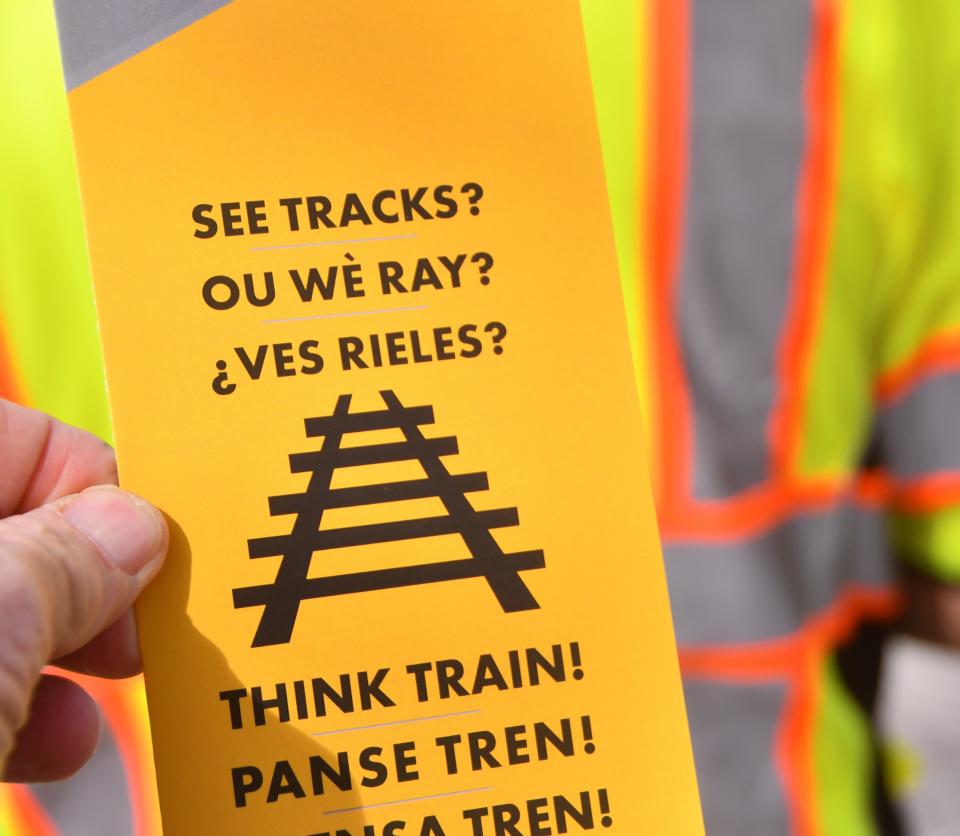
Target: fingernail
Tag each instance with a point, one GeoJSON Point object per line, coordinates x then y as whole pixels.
{"type": "Point", "coordinates": [129, 532]}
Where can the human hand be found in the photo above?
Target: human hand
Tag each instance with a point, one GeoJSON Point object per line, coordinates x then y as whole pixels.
{"type": "Point", "coordinates": [72, 560]}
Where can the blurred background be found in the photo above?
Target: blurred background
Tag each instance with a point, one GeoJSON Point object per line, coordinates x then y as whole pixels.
{"type": "Point", "coordinates": [784, 187]}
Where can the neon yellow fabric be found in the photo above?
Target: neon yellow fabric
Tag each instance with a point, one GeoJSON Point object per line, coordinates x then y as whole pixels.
{"type": "Point", "coordinates": [842, 761]}
{"type": "Point", "coordinates": [842, 365]}
{"type": "Point", "coordinates": [894, 265]}
{"type": "Point", "coordinates": [614, 30]}
{"type": "Point", "coordinates": [919, 295]}
{"type": "Point", "coordinates": [46, 301]}
{"type": "Point", "coordinates": [45, 292]}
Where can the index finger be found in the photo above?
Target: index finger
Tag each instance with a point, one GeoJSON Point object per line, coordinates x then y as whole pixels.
{"type": "Point", "coordinates": [42, 459]}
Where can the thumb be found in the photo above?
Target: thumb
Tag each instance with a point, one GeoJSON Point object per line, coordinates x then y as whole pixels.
{"type": "Point", "coordinates": [67, 571]}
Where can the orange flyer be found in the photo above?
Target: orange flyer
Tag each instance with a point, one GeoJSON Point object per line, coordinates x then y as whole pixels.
{"type": "Point", "coordinates": [366, 348]}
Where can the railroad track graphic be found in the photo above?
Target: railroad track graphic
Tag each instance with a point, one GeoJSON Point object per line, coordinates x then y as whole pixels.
{"type": "Point", "coordinates": [281, 599]}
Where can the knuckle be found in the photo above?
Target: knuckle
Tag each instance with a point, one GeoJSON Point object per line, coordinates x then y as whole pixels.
{"type": "Point", "coordinates": [52, 582]}
{"type": "Point", "coordinates": [23, 603]}
{"type": "Point", "coordinates": [27, 639]}
{"type": "Point", "coordinates": [21, 663]}
{"type": "Point", "coordinates": [15, 691]}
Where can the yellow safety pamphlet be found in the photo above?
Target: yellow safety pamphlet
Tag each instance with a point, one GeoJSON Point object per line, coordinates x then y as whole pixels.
{"type": "Point", "coordinates": [366, 348]}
